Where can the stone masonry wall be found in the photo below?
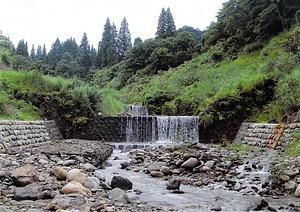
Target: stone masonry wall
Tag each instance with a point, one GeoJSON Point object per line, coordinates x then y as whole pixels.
{"type": "Point", "coordinates": [17, 134]}
{"type": "Point", "coordinates": [275, 136]}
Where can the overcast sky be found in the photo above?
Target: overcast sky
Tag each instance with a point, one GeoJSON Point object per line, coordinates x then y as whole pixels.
{"type": "Point", "coordinates": [40, 22]}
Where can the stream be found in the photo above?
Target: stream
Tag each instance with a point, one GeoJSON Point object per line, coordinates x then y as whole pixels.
{"type": "Point", "coordinates": [153, 191]}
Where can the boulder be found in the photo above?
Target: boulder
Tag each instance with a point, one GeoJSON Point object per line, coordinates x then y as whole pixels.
{"type": "Point", "coordinates": [4, 209]}
{"type": "Point", "coordinates": [25, 193]}
{"type": "Point", "coordinates": [60, 173]}
{"type": "Point", "coordinates": [190, 163]}
{"type": "Point", "coordinates": [75, 174]}
{"type": "Point", "coordinates": [156, 166]}
{"type": "Point", "coordinates": [156, 174]}
{"type": "Point", "coordinates": [297, 192]}
{"type": "Point", "coordinates": [66, 202]}
{"type": "Point", "coordinates": [166, 170]}
{"type": "Point", "coordinates": [118, 195]}
{"type": "Point", "coordinates": [24, 175]}
{"type": "Point", "coordinates": [92, 183]}
{"type": "Point", "coordinates": [75, 187]}
{"type": "Point", "coordinates": [174, 184]}
{"type": "Point", "coordinates": [89, 167]}
{"type": "Point", "coordinates": [99, 175]}
{"type": "Point", "coordinates": [120, 182]}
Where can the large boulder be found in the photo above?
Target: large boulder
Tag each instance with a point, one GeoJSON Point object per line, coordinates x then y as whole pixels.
{"type": "Point", "coordinates": [118, 195]}
{"type": "Point", "coordinates": [76, 174]}
{"type": "Point", "coordinates": [66, 202]}
{"type": "Point", "coordinates": [190, 163]}
{"type": "Point", "coordinates": [156, 166]}
{"type": "Point", "coordinates": [24, 175]}
{"type": "Point", "coordinates": [75, 187]}
{"type": "Point", "coordinates": [121, 182]}
{"type": "Point", "coordinates": [60, 173]}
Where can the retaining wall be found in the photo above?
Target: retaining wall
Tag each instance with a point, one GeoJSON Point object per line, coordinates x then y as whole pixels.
{"type": "Point", "coordinates": [275, 136]}
{"type": "Point", "coordinates": [17, 134]}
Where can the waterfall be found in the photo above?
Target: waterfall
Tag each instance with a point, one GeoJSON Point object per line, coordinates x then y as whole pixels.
{"type": "Point", "coordinates": [161, 129]}
{"type": "Point", "coordinates": [177, 129]}
{"type": "Point", "coordinates": [138, 110]}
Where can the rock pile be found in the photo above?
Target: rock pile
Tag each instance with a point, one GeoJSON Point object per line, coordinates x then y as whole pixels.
{"type": "Point", "coordinates": [63, 176]}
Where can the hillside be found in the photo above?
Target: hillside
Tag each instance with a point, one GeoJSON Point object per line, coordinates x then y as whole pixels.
{"type": "Point", "coordinates": [245, 68]}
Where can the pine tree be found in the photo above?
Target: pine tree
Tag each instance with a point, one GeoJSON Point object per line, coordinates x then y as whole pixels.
{"type": "Point", "coordinates": [83, 56]}
{"type": "Point", "coordinates": [32, 53]}
{"type": "Point", "coordinates": [22, 48]}
{"type": "Point", "coordinates": [107, 47]}
{"type": "Point", "coordinates": [55, 54]}
{"type": "Point", "coordinates": [123, 40]}
{"type": "Point", "coordinates": [39, 52]}
{"type": "Point", "coordinates": [166, 26]}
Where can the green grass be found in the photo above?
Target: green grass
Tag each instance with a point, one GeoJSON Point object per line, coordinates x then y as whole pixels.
{"type": "Point", "coordinates": [293, 149]}
{"type": "Point", "coordinates": [238, 147]}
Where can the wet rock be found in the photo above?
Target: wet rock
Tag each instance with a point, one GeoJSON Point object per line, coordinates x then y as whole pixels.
{"type": "Point", "coordinates": [290, 185]}
{"type": "Point", "coordinates": [105, 185]}
{"type": "Point", "coordinates": [66, 201]}
{"type": "Point", "coordinates": [205, 168]}
{"type": "Point", "coordinates": [4, 209]}
{"type": "Point", "coordinates": [209, 163]}
{"type": "Point", "coordinates": [174, 184]}
{"type": "Point", "coordinates": [190, 163]}
{"type": "Point", "coordinates": [216, 208]}
{"type": "Point", "coordinates": [165, 170]}
{"type": "Point", "coordinates": [121, 182]}
{"type": "Point", "coordinates": [24, 193]}
{"type": "Point", "coordinates": [297, 192]}
{"type": "Point", "coordinates": [124, 165]}
{"type": "Point", "coordinates": [24, 175]}
{"type": "Point", "coordinates": [75, 187]}
{"type": "Point", "coordinates": [99, 175]}
{"type": "Point", "coordinates": [156, 174]}
{"type": "Point", "coordinates": [2, 174]}
{"type": "Point", "coordinates": [92, 183]}
{"type": "Point", "coordinates": [77, 175]}
{"type": "Point", "coordinates": [69, 162]}
{"type": "Point", "coordinates": [60, 173]}
{"type": "Point", "coordinates": [89, 167]}
{"type": "Point", "coordinates": [118, 195]}
{"type": "Point", "coordinates": [176, 171]}
{"type": "Point", "coordinates": [156, 166]}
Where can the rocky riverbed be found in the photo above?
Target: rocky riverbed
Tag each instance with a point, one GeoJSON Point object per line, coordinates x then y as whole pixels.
{"type": "Point", "coordinates": [76, 175]}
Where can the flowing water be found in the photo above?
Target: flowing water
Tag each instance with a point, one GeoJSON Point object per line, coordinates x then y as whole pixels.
{"type": "Point", "coordinates": [154, 191]}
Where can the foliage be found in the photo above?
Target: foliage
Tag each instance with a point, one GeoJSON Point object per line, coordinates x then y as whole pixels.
{"type": "Point", "coordinates": [293, 149]}
{"type": "Point", "coordinates": [238, 147]}
{"type": "Point", "coordinates": [111, 103]}
{"type": "Point", "coordinates": [166, 26]}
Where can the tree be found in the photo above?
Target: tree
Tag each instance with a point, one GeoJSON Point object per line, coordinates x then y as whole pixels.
{"type": "Point", "coordinates": [107, 47]}
{"type": "Point", "coordinates": [39, 52]}
{"type": "Point", "coordinates": [166, 25]}
{"type": "Point", "coordinates": [123, 40]}
{"type": "Point", "coordinates": [22, 48]}
{"type": "Point", "coordinates": [137, 41]}
{"type": "Point", "coordinates": [32, 53]}
{"type": "Point", "coordinates": [55, 54]}
{"type": "Point", "coordinates": [84, 57]}
{"type": "Point", "coordinates": [70, 46]}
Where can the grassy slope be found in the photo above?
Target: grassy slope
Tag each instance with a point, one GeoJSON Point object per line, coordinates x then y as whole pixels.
{"type": "Point", "coordinates": [195, 85]}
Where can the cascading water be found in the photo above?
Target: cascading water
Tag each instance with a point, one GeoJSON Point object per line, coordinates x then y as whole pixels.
{"type": "Point", "coordinates": [177, 129]}
{"type": "Point", "coordinates": [161, 129]}
{"type": "Point", "coordinates": [138, 110]}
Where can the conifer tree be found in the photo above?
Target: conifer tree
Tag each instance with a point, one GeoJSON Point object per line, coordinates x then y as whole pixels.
{"type": "Point", "coordinates": [39, 52]}
{"type": "Point", "coordinates": [55, 53]}
{"type": "Point", "coordinates": [123, 40]}
{"type": "Point", "coordinates": [83, 56]}
{"type": "Point", "coordinates": [107, 47]}
{"type": "Point", "coordinates": [166, 25]}
{"type": "Point", "coordinates": [32, 53]}
{"type": "Point", "coordinates": [22, 48]}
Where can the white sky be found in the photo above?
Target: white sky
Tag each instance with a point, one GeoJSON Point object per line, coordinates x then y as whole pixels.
{"type": "Point", "coordinates": [40, 22]}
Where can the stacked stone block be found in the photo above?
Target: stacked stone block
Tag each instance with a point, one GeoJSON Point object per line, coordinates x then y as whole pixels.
{"type": "Point", "coordinates": [287, 136]}
{"type": "Point", "coordinates": [275, 136]}
{"type": "Point", "coordinates": [14, 134]}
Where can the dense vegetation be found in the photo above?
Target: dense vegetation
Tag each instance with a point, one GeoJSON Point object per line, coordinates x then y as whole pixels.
{"type": "Point", "coordinates": [245, 67]}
